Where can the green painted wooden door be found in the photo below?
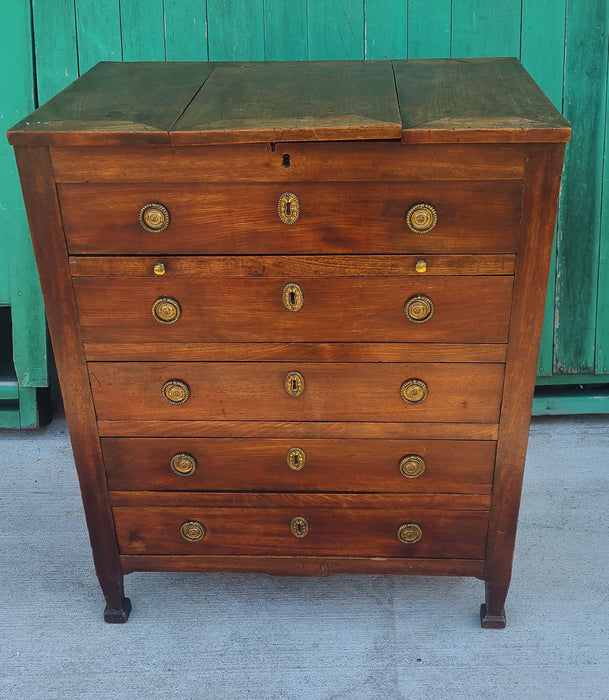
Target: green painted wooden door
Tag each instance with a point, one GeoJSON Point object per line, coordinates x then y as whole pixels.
{"type": "Point", "coordinates": [564, 45]}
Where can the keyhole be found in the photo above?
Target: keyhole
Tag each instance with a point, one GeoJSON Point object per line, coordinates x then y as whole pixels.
{"type": "Point", "coordinates": [285, 161]}
{"type": "Point", "coordinates": [294, 384]}
{"type": "Point", "coordinates": [288, 207]}
{"type": "Point", "coordinates": [292, 298]}
{"type": "Point", "coordinates": [295, 459]}
{"type": "Point", "coordinates": [299, 528]}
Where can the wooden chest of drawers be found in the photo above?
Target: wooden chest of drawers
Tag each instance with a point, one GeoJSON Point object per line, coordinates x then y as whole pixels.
{"type": "Point", "coordinates": [296, 309]}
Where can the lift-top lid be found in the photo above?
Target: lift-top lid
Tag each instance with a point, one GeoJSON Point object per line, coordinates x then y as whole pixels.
{"type": "Point", "coordinates": [419, 101]}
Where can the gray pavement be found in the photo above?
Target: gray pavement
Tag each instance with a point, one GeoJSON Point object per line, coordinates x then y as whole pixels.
{"type": "Point", "coordinates": [230, 636]}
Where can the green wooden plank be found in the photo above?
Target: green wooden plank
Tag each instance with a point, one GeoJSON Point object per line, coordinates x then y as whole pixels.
{"type": "Point", "coordinates": [28, 408]}
{"type": "Point", "coordinates": [579, 228]}
{"type": "Point", "coordinates": [55, 43]}
{"type": "Point", "coordinates": [285, 30]}
{"type": "Point", "coordinates": [386, 29]}
{"type": "Point", "coordinates": [28, 324]}
{"type": "Point", "coordinates": [143, 30]}
{"type": "Point", "coordinates": [571, 401]}
{"type": "Point", "coordinates": [572, 379]}
{"type": "Point", "coordinates": [98, 32]}
{"type": "Point", "coordinates": [542, 54]}
{"type": "Point", "coordinates": [185, 30]}
{"type": "Point", "coordinates": [235, 30]}
{"type": "Point", "coordinates": [602, 306]}
{"type": "Point", "coordinates": [9, 391]}
{"type": "Point", "coordinates": [336, 30]}
{"type": "Point", "coordinates": [483, 28]}
{"type": "Point", "coordinates": [9, 417]}
{"type": "Point", "coordinates": [429, 28]}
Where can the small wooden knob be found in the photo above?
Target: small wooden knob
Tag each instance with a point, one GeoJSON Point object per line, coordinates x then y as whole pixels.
{"type": "Point", "coordinates": [421, 218]}
{"type": "Point", "coordinates": [419, 309]}
{"type": "Point", "coordinates": [154, 217]}
{"type": "Point", "coordinates": [192, 530]}
{"type": "Point", "coordinates": [412, 466]}
{"type": "Point", "coordinates": [183, 464]}
{"type": "Point", "coordinates": [414, 391]}
{"type": "Point", "coordinates": [166, 310]}
{"type": "Point", "coordinates": [176, 392]}
{"type": "Point", "coordinates": [409, 533]}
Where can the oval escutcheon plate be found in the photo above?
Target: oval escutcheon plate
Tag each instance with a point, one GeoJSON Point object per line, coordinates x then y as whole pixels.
{"type": "Point", "coordinates": [288, 208]}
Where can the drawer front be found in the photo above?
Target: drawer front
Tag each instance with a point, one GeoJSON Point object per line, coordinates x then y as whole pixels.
{"type": "Point", "coordinates": [283, 464]}
{"type": "Point", "coordinates": [349, 217]}
{"type": "Point", "coordinates": [329, 531]}
{"type": "Point", "coordinates": [456, 392]}
{"type": "Point", "coordinates": [294, 309]}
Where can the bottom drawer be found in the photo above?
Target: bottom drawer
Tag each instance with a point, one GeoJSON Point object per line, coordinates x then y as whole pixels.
{"type": "Point", "coordinates": [306, 530]}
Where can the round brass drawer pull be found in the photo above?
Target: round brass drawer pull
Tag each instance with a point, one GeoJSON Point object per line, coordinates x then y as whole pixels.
{"type": "Point", "coordinates": [288, 208]}
{"type": "Point", "coordinates": [192, 530]}
{"type": "Point", "coordinates": [421, 266]}
{"type": "Point", "coordinates": [294, 383]}
{"type": "Point", "coordinates": [409, 533]}
{"type": "Point", "coordinates": [293, 298]}
{"type": "Point", "coordinates": [166, 310]}
{"type": "Point", "coordinates": [296, 459]}
{"type": "Point", "coordinates": [175, 391]}
{"type": "Point", "coordinates": [299, 527]}
{"type": "Point", "coordinates": [183, 464]}
{"type": "Point", "coordinates": [419, 309]}
{"type": "Point", "coordinates": [421, 218]}
{"type": "Point", "coordinates": [154, 217]}
{"type": "Point", "coordinates": [414, 391]}
{"type": "Point", "coordinates": [412, 466]}
{"type": "Point", "coordinates": [159, 269]}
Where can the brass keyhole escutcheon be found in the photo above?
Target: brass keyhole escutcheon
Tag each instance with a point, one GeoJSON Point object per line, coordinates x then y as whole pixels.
{"type": "Point", "coordinates": [166, 310]}
{"type": "Point", "coordinates": [192, 530]}
{"type": "Point", "coordinates": [421, 218]}
{"type": "Point", "coordinates": [183, 464]}
{"type": "Point", "coordinates": [288, 208]}
{"type": "Point", "coordinates": [175, 391]}
{"type": "Point", "coordinates": [419, 309]}
{"type": "Point", "coordinates": [299, 527]}
{"type": "Point", "coordinates": [154, 217]}
{"type": "Point", "coordinates": [412, 466]}
{"type": "Point", "coordinates": [296, 458]}
{"type": "Point", "coordinates": [293, 297]}
{"type": "Point", "coordinates": [414, 391]}
{"type": "Point", "coordinates": [409, 533]}
{"type": "Point", "coordinates": [294, 383]}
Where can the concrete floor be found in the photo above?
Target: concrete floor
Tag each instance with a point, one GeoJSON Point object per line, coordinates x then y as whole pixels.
{"type": "Point", "coordinates": [254, 636]}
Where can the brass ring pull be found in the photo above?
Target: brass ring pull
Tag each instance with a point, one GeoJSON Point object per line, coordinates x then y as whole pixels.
{"type": "Point", "coordinates": [421, 218]}
{"type": "Point", "coordinates": [154, 217]}
{"type": "Point", "coordinates": [294, 383]}
{"type": "Point", "coordinates": [419, 309]}
{"type": "Point", "coordinates": [293, 297]}
{"type": "Point", "coordinates": [175, 391]}
{"type": "Point", "coordinates": [296, 459]}
{"type": "Point", "coordinates": [192, 530]}
{"type": "Point", "coordinates": [414, 391]}
{"type": "Point", "coordinates": [409, 533]}
{"type": "Point", "coordinates": [183, 464]}
{"type": "Point", "coordinates": [166, 310]}
{"type": "Point", "coordinates": [299, 527]}
{"type": "Point", "coordinates": [288, 208]}
{"type": "Point", "coordinates": [412, 466]}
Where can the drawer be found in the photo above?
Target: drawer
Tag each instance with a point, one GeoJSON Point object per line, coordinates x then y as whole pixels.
{"type": "Point", "coordinates": [284, 464]}
{"type": "Point", "coordinates": [457, 309]}
{"type": "Point", "coordinates": [329, 531]}
{"type": "Point", "coordinates": [348, 217]}
{"type": "Point", "coordinates": [252, 391]}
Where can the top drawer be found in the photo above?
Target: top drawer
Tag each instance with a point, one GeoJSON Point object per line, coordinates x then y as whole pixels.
{"type": "Point", "coordinates": [336, 217]}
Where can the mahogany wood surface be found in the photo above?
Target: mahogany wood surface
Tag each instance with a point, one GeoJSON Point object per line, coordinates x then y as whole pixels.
{"type": "Point", "coordinates": [347, 217]}
{"type": "Point", "coordinates": [251, 391]}
{"type": "Point", "coordinates": [249, 531]}
{"type": "Point", "coordinates": [334, 309]}
{"type": "Point", "coordinates": [360, 465]}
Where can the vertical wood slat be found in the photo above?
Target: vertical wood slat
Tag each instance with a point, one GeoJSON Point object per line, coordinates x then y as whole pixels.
{"type": "Point", "coordinates": [429, 29]}
{"type": "Point", "coordinates": [98, 32]}
{"type": "Point", "coordinates": [336, 30]}
{"type": "Point", "coordinates": [602, 313]}
{"type": "Point", "coordinates": [542, 41]}
{"type": "Point", "coordinates": [235, 30]}
{"type": "Point", "coordinates": [481, 28]}
{"type": "Point", "coordinates": [579, 230]}
{"type": "Point", "coordinates": [385, 29]}
{"type": "Point", "coordinates": [185, 30]}
{"type": "Point", "coordinates": [285, 30]}
{"type": "Point", "coordinates": [142, 30]}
